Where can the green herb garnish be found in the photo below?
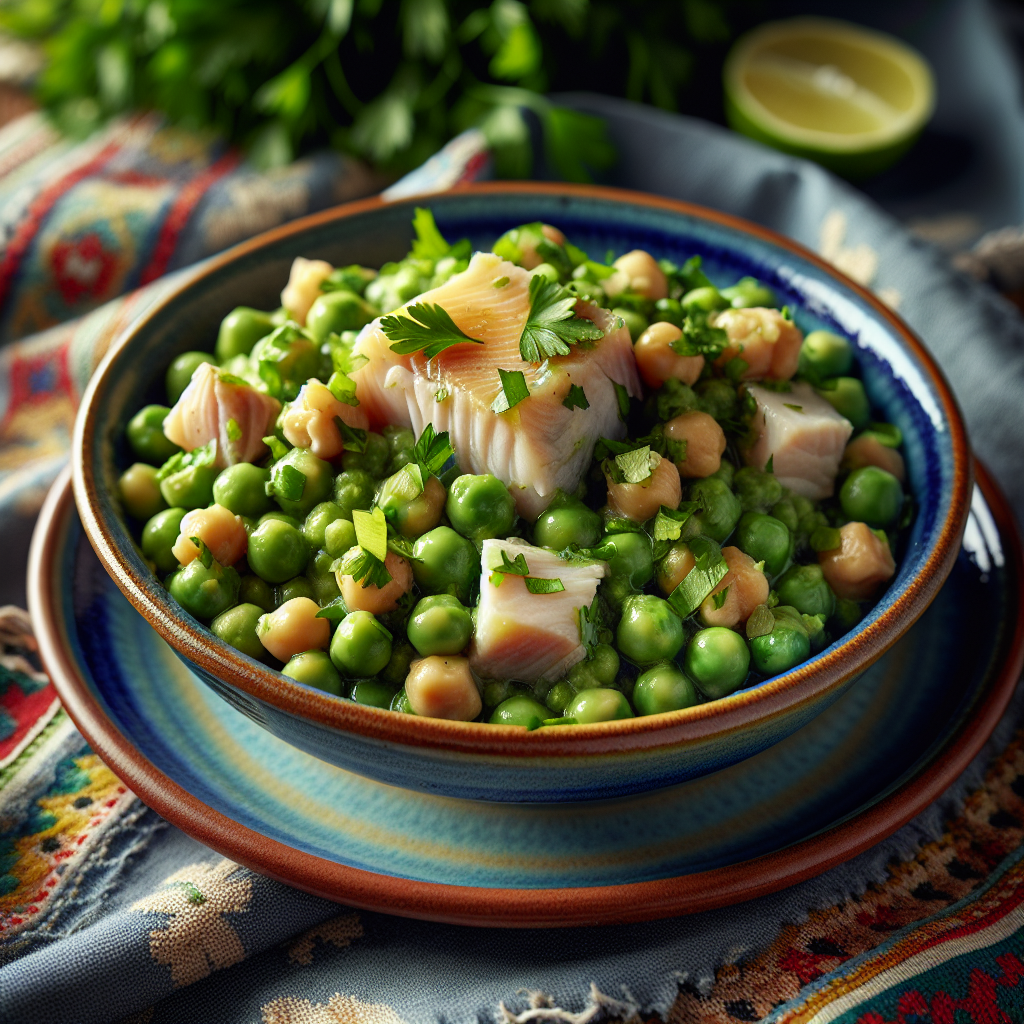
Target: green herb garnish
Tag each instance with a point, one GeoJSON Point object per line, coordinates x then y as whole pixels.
{"type": "Point", "coordinates": [635, 466]}
{"type": "Point", "coordinates": [354, 438]}
{"type": "Point", "coordinates": [286, 482]}
{"type": "Point", "coordinates": [206, 455]}
{"type": "Point", "coordinates": [425, 327]}
{"type": "Point", "coordinates": [371, 532]}
{"type": "Point", "coordinates": [234, 430]}
{"type": "Point", "coordinates": [278, 449]}
{"type": "Point", "coordinates": [576, 398]}
{"type": "Point", "coordinates": [795, 408]}
{"type": "Point", "coordinates": [622, 396]}
{"type": "Point", "coordinates": [719, 599]}
{"type": "Point", "coordinates": [699, 338]}
{"type": "Point", "coordinates": [552, 325]}
{"type": "Point", "coordinates": [513, 390]}
{"type": "Point", "coordinates": [535, 585]}
{"type": "Point", "coordinates": [761, 622]}
{"type": "Point", "coordinates": [205, 555]}
{"type": "Point", "coordinates": [432, 450]}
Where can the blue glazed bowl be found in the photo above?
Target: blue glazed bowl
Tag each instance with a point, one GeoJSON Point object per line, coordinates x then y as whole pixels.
{"type": "Point", "coordinates": [504, 763]}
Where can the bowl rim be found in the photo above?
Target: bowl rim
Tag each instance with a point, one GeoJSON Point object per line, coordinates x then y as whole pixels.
{"type": "Point", "coordinates": [783, 694]}
{"type": "Point", "coordinates": [515, 908]}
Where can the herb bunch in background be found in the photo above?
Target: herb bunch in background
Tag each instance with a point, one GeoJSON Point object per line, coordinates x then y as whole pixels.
{"type": "Point", "coordinates": [386, 80]}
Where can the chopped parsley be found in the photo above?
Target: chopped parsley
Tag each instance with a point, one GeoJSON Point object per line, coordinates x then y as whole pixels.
{"type": "Point", "coordinates": [518, 567]}
{"type": "Point", "coordinates": [709, 571]}
{"type": "Point", "coordinates": [735, 368]}
{"type": "Point", "coordinates": [441, 394]}
{"type": "Point", "coordinates": [719, 599]}
{"type": "Point", "coordinates": [353, 437]}
{"type": "Point", "coordinates": [336, 610]}
{"type": "Point", "coordinates": [552, 325]}
{"type": "Point", "coordinates": [576, 398]}
{"type": "Point", "coordinates": [513, 390]}
{"type": "Point", "coordinates": [278, 449]}
{"type": "Point", "coordinates": [761, 622]}
{"type": "Point", "coordinates": [668, 524]}
{"type": "Point", "coordinates": [795, 408]}
{"type": "Point", "coordinates": [499, 282]}
{"type": "Point", "coordinates": [699, 338]}
{"type": "Point", "coordinates": [541, 586]}
{"type": "Point", "coordinates": [206, 455]}
{"type": "Point", "coordinates": [205, 555]}
{"type": "Point", "coordinates": [590, 626]}
{"type": "Point", "coordinates": [769, 466]}
{"type": "Point", "coordinates": [432, 450]}
{"type": "Point", "coordinates": [286, 482]}
{"type": "Point", "coordinates": [234, 430]}
{"type": "Point", "coordinates": [426, 328]}
{"type": "Point", "coordinates": [635, 466]}
{"type": "Point", "coordinates": [429, 243]}
{"type": "Point", "coordinates": [345, 362]}
{"type": "Point", "coordinates": [622, 396]}
{"type": "Point", "coordinates": [371, 532]}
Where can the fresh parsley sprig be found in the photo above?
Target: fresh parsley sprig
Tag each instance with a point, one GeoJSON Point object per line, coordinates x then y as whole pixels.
{"type": "Point", "coordinates": [425, 327]}
{"type": "Point", "coordinates": [699, 338]}
{"type": "Point", "coordinates": [514, 390]}
{"type": "Point", "coordinates": [552, 325]}
{"type": "Point", "coordinates": [432, 450]}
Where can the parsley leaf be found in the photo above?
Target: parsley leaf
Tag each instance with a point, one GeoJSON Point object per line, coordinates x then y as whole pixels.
{"type": "Point", "coordinates": [353, 437]}
{"type": "Point", "coordinates": [441, 395]}
{"type": "Point", "coordinates": [204, 456]}
{"type": "Point", "coordinates": [364, 566]}
{"type": "Point", "coordinates": [543, 586]}
{"type": "Point", "coordinates": [551, 326]}
{"type": "Point", "coordinates": [761, 622]}
{"type": "Point", "coordinates": [425, 328]}
{"type": "Point", "coordinates": [576, 398]}
{"type": "Point", "coordinates": [668, 524]}
{"type": "Point", "coordinates": [622, 397]}
{"type": "Point", "coordinates": [719, 599]}
{"type": "Point", "coordinates": [517, 567]}
{"type": "Point", "coordinates": [429, 243]}
{"type": "Point", "coordinates": [205, 555]}
{"type": "Point", "coordinates": [513, 390]}
{"type": "Point", "coordinates": [336, 610]}
{"type": "Point", "coordinates": [795, 408]}
{"type": "Point", "coordinates": [695, 587]}
{"type": "Point", "coordinates": [590, 625]}
{"type": "Point", "coordinates": [635, 465]}
{"type": "Point", "coordinates": [699, 338]}
{"type": "Point", "coordinates": [286, 482]}
{"type": "Point", "coordinates": [769, 466]}
{"type": "Point", "coordinates": [371, 532]}
{"type": "Point", "coordinates": [234, 430]}
{"type": "Point", "coordinates": [735, 368]}
{"type": "Point", "coordinates": [432, 450]}
{"type": "Point", "coordinates": [278, 449]}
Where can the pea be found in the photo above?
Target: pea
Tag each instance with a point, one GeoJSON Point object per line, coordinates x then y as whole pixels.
{"type": "Point", "coordinates": [145, 433]}
{"type": "Point", "coordinates": [766, 539]}
{"type": "Point", "coordinates": [412, 510]}
{"type": "Point", "coordinates": [322, 581]}
{"type": "Point", "coordinates": [717, 660]}
{"type": "Point", "coordinates": [599, 670]}
{"type": "Point", "coordinates": [669, 311]}
{"type": "Point", "coordinates": [785, 512]}
{"type": "Point", "coordinates": [636, 323]}
{"type": "Point", "coordinates": [237, 626]}
{"type": "Point", "coordinates": [444, 562]}
{"type": "Point", "coordinates": [717, 397]}
{"type": "Point", "coordinates": [334, 312]}
{"type": "Point", "coordinates": [480, 507]}
{"type": "Point", "coordinates": [242, 488]}
{"type": "Point", "coordinates": [520, 710]}
{"type": "Point", "coordinates": [354, 488]}
{"type": "Point", "coordinates": [720, 509]}
{"type": "Point", "coordinates": [804, 587]}
{"type": "Point", "coordinates": [664, 687]}
{"type": "Point", "coordinates": [389, 291]}
{"type": "Point", "coordinates": [748, 292]}
{"type": "Point", "coordinates": [439, 624]}
{"type": "Point", "coordinates": [339, 536]}
{"type": "Point", "coordinates": [629, 555]}
{"type": "Point", "coordinates": [756, 491]}
{"type": "Point", "coordinates": [314, 668]}
{"type": "Point", "coordinates": [649, 630]}
{"type": "Point", "coordinates": [847, 396]}
{"type": "Point", "coordinates": [400, 703]}
{"type": "Point", "coordinates": [277, 551]}
{"type": "Point", "coordinates": [873, 496]}
{"type": "Point", "coordinates": [559, 696]}
{"type": "Point", "coordinates": [571, 523]}
{"type": "Point", "coordinates": [400, 440]}
{"type": "Point", "coordinates": [846, 615]}
{"type": "Point", "coordinates": [240, 330]}
{"type": "Point", "coordinates": [287, 359]}
{"type": "Point", "coordinates": [317, 487]}
{"type": "Point", "coordinates": [615, 590]}
{"type": "Point", "coordinates": [373, 459]}
{"type": "Point", "coordinates": [361, 646]}
{"type": "Point", "coordinates": [707, 298]}
{"type": "Point", "coordinates": [598, 705]}
{"type": "Point", "coordinates": [277, 516]}
{"type": "Point", "coordinates": [140, 493]}
{"type": "Point", "coordinates": [726, 472]}
{"type": "Point", "coordinates": [780, 650]}
{"type": "Point", "coordinates": [314, 529]}
{"type": "Point", "coordinates": [179, 373]}
{"type": "Point", "coordinates": [256, 591]}
{"type": "Point", "coordinates": [298, 586]}
{"type": "Point", "coordinates": [824, 354]}
{"type": "Point", "coordinates": [397, 668]}
{"type": "Point", "coordinates": [159, 536]}
{"type": "Point", "coordinates": [191, 487]}
{"type": "Point", "coordinates": [204, 591]}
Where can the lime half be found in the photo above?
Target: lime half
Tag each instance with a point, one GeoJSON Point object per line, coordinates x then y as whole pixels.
{"type": "Point", "coordinates": [851, 99]}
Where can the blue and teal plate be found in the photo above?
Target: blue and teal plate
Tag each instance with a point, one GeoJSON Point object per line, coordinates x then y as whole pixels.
{"type": "Point", "coordinates": [854, 774]}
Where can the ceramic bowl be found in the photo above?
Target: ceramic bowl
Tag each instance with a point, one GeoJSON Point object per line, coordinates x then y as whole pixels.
{"type": "Point", "coordinates": [497, 762]}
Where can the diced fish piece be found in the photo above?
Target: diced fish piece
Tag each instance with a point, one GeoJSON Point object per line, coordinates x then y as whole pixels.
{"type": "Point", "coordinates": [537, 446]}
{"type": "Point", "coordinates": [308, 422]}
{"type": "Point", "coordinates": [763, 338]}
{"type": "Point", "coordinates": [303, 288]}
{"type": "Point", "coordinates": [803, 436]}
{"type": "Point", "coordinates": [209, 405]}
{"type": "Point", "coordinates": [527, 636]}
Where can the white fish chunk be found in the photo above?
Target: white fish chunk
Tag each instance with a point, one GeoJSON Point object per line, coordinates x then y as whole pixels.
{"type": "Point", "coordinates": [803, 436]}
{"type": "Point", "coordinates": [308, 422]}
{"type": "Point", "coordinates": [537, 446]}
{"type": "Point", "coordinates": [527, 636]}
{"type": "Point", "coordinates": [206, 408]}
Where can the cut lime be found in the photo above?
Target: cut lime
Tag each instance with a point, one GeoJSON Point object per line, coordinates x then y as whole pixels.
{"type": "Point", "coordinates": [851, 99]}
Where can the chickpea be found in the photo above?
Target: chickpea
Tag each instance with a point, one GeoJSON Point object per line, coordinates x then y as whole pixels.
{"type": "Point", "coordinates": [140, 493]}
{"type": "Point", "coordinates": [766, 341]}
{"type": "Point", "coordinates": [646, 278]}
{"type": "Point", "coordinates": [705, 443]}
{"type": "Point", "coordinates": [308, 422]}
{"type": "Point", "coordinates": [378, 599]}
{"type": "Point", "coordinates": [656, 360]}
{"type": "Point", "coordinates": [641, 501]}
{"type": "Point", "coordinates": [443, 687]}
{"type": "Point", "coordinates": [748, 587]}
{"type": "Point", "coordinates": [860, 565]}
{"type": "Point", "coordinates": [303, 288]}
{"type": "Point", "coordinates": [218, 528]}
{"type": "Point", "coordinates": [675, 567]}
{"type": "Point", "coordinates": [293, 628]}
{"type": "Point", "coordinates": [867, 450]}
{"type": "Point", "coordinates": [423, 513]}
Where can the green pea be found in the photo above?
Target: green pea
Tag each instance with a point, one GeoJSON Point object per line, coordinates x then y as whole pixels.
{"type": "Point", "coordinates": [339, 536]}
{"type": "Point", "coordinates": [361, 646]}
{"type": "Point", "coordinates": [314, 529]}
{"type": "Point", "coordinates": [298, 586]}
{"type": "Point", "coordinates": [439, 624]}
{"type": "Point", "coordinates": [334, 312]}
{"type": "Point", "coordinates": [237, 626]}
{"type": "Point", "coordinates": [804, 587]}
{"type": "Point", "coordinates": [664, 687]}
{"type": "Point", "coordinates": [277, 516]}
{"type": "Point", "coordinates": [846, 615]}
{"type": "Point", "coordinates": [599, 670]}
{"type": "Point", "coordinates": [779, 650]}
{"type": "Point", "coordinates": [204, 591]}
{"type": "Point", "coordinates": [400, 443]}
{"type": "Point", "coordinates": [140, 493]}
{"type": "Point", "coordinates": [317, 486]}
{"type": "Point", "coordinates": [726, 472]}
{"type": "Point", "coordinates": [757, 491]}
{"type": "Point", "coordinates": [445, 562]}
{"type": "Point", "coordinates": [766, 539]}
{"type": "Point", "coordinates": [240, 330]}
{"type": "Point", "coordinates": [706, 298]}
{"type": "Point", "coordinates": [159, 535]}
{"type": "Point", "coordinates": [145, 433]}
{"type": "Point", "coordinates": [372, 693]}
{"type": "Point", "coordinates": [873, 496]}
{"type": "Point", "coordinates": [720, 509]}
{"type": "Point", "coordinates": [717, 660]}
{"type": "Point", "coordinates": [353, 277]}
{"type": "Point", "coordinates": [649, 630]}
{"type": "Point", "coordinates": [256, 591]}
{"type": "Point", "coordinates": [717, 397]}
{"type": "Point", "coordinates": [389, 291]}
{"type": "Point", "coordinates": [629, 555]}
{"type": "Point", "coordinates": [354, 488]}
{"type": "Point", "coordinates": [395, 671]}
{"type": "Point", "coordinates": [400, 703]}
{"type": "Point", "coordinates": [191, 487]}
{"type": "Point", "coordinates": [598, 705]}
{"type": "Point", "coordinates": [615, 590]}
{"type": "Point", "coordinates": [277, 551]}
{"type": "Point", "coordinates": [824, 354]}
{"type": "Point", "coordinates": [373, 460]}
{"type": "Point", "coordinates": [287, 359]}
{"type": "Point", "coordinates": [480, 507]}
{"type": "Point", "coordinates": [314, 668]}
{"type": "Point", "coordinates": [785, 512]}
{"type": "Point", "coordinates": [242, 488]}
{"type": "Point", "coordinates": [559, 696]}
{"type": "Point", "coordinates": [636, 322]}
{"type": "Point", "coordinates": [179, 373]}
{"type": "Point", "coordinates": [520, 710]}
{"type": "Point", "coordinates": [322, 580]}
{"type": "Point", "coordinates": [749, 292]}
{"type": "Point", "coordinates": [668, 311]}
{"type": "Point", "coordinates": [571, 523]}
{"type": "Point", "coordinates": [847, 396]}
